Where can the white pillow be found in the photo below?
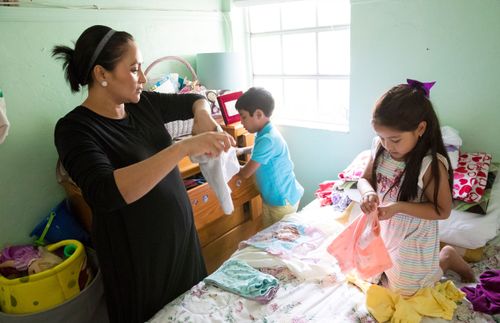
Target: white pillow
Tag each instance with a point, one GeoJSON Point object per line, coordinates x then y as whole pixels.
{"type": "Point", "coordinates": [471, 230]}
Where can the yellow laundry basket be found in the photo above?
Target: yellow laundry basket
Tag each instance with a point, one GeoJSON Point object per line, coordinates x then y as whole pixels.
{"type": "Point", "coordinates": [44, 290]}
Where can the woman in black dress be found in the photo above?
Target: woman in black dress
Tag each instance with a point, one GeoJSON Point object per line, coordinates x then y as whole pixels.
{"type": "Point", "coordinates": [115, 147]}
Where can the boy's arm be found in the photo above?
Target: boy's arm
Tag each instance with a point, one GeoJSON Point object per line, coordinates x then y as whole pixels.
{"type": "Point", "coordinates": [249, 169]}
{"type": "Point", "coordinates": [243, 150]}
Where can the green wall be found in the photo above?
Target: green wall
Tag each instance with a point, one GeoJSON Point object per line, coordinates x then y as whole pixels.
{"type": "Point", "coordinates": [37, 95]}
{"type": "Point", "coordinates": [454, 42]}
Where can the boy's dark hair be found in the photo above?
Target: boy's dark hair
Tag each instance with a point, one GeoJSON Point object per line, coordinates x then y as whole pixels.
{"type": "Point", "coordinates": [256, 98]}
{"type": "Point", "coordinates": [403, 108]}
{"type": "Point", "coordinates": [77, 61]}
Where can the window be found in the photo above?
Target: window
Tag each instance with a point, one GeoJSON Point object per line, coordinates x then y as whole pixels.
{"type": "Point", "coordinates": [300, 51]}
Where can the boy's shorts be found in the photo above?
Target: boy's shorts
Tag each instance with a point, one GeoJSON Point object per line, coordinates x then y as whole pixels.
{"type": "Point", "coordinates": [272, 214]}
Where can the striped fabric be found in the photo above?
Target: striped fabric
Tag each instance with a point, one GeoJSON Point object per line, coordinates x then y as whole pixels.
{"type": "Point", "coordinates": [412, 242]}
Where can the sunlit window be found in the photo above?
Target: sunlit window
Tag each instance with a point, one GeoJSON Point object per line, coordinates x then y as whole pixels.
{"type": "Point", "coordinates": [300, 51]}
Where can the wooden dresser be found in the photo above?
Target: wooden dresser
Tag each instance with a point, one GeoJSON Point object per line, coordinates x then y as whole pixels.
{"type": "Point", "coordinates": [219, 234]}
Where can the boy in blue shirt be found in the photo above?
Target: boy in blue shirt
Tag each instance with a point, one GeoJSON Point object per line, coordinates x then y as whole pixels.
{"type": "Point", "coordinates": [270, 159]}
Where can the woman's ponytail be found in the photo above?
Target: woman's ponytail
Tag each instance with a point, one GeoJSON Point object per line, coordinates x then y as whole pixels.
{"type": "Point", "coordinates": [66, 54]}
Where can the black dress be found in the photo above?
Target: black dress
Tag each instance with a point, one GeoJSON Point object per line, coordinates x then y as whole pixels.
{"type": "Point", "coordinates": [148, 251]}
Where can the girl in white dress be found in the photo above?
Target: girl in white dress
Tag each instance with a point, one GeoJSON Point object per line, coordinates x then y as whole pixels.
{"type": "Point", "coordinates": [409, 182]}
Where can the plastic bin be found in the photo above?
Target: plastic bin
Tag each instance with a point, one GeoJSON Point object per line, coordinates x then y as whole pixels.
{"type": "Point", "coordinates": [88, 306]}
{"type": "Point", "coordinates": [44, 290]}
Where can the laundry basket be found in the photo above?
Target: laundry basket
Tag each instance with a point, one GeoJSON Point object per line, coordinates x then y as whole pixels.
{"type": "Point", "coordinates": [178, 128]}
{"type": "Point", "coordinates": [46, 289]}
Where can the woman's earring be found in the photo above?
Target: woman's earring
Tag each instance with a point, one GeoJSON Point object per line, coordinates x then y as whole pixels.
{"type": "Point", "coordinates": [104, 83]}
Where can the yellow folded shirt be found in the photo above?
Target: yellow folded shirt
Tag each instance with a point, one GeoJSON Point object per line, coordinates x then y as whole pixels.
{"type": "Point", "coordinates": [385, 305]}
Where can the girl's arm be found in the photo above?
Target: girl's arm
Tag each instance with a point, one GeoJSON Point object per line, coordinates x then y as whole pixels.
{"type": "Point", "coordinates": [369, 198]}
{"type": "Point", "coordinates": [425, 210]}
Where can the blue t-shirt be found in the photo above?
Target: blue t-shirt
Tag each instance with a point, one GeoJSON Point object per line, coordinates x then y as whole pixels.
{"type": "Point", "coordinates": [275, 176]}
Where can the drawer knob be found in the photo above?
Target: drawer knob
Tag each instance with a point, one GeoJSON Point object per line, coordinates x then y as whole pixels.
{"type": "Point", "coordinates": [195, 201]}
{"type": "Point", "coordinates": [205, 198]}
{"type": "Point", "coordinates": [238, 182]}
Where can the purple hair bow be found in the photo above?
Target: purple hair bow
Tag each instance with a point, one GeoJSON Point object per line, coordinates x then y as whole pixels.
{"type": "Point", "coordinates": [426, 86]}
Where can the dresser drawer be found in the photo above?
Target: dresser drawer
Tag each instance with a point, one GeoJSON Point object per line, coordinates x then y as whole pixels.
{"type": "Point", "coordinates": [206, 206]}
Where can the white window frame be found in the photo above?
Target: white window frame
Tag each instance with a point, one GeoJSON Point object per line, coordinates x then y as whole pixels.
{"type": "Point", "coordinates": [343, 125]}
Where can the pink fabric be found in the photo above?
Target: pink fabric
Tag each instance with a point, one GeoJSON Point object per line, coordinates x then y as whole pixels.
{"type": "Point", "coordinates": [355, 170]}
{"type": "Point", "coordinates": [470, 176]}
{"type": "Point", "coordinates": [360, 247]}
{"type": "Point", "coordinates": [324, 192]}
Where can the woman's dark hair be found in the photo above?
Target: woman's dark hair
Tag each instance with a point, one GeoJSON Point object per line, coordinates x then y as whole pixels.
{"type": "Point", "coordinates": [403, 108]}
{"type": "Point", "coordinates": [77, 62]}
{"type": "Point", "coordinates": [256, 98]}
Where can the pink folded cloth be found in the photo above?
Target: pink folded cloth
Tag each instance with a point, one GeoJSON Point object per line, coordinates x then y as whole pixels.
{"type": "Point", "coordinates": [359, 247]}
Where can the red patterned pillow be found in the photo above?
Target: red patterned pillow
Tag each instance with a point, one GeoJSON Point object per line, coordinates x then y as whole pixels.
{"type": "Point", "coordinates": [470, 176]}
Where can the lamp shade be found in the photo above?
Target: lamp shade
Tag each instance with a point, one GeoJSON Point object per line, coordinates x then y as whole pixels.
{"type": "Point", "coordinates": [221, 71]}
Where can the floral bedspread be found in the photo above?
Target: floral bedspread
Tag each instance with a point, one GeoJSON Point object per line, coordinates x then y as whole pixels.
{"type": "Point", "coordinates": [302, 299]}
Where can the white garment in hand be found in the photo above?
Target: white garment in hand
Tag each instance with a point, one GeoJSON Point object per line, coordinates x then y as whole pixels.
{"type": "Point", "coordinates": [4, 122]}
{"type": "Point", "coordinates": [218, 171]}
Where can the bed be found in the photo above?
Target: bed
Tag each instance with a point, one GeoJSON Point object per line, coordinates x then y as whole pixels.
{"type": "Point", "coordinates": [312, 288]}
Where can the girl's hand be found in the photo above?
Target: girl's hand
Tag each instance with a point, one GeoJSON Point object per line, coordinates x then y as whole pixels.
{"type": "Point", "coordinates": [388, 210]}
{"type": "Point", "coordinates": [369, 202]}
{"type": "Point", "coordinates": [209, 143]}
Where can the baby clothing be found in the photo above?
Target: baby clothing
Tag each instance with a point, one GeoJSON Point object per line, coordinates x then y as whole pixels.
{"type": "Point", "coordinates": [436, 301]}
{"type": "Point", "coordinates": [485, 297]}
{"type": "Point", "coordinates": [412, 242]}
{"type": "Point", "coordinates": [218, 171]}
{"type": "Point", "coordinates": [22, 256]}
{"type": "Point", "coordinates": [239, 278]}
{"type": "Point", "coordinates": [361, 248]}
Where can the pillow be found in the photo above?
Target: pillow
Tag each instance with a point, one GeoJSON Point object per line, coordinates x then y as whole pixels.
{"type": "Point", "coordinates": [469, 178]}
{"type": "Point", "coordinates": [470, 230]}
{"type": "Point", "coordinates": [452, 143]}
{"type": "Point", "coordinates": [355, 170]}
{"type": "Point", "coordinates": [453, 154]}
{"type": "Point", "coordinates": [480, 207]}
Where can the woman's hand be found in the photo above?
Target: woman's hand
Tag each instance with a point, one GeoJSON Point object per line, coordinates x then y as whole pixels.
{"type": "Point", "coordinates": [203, 120]}
{"type": "Point", "coordinates": [388, 210]}
{"type": "Point", "coordinates": [209, 143]}
{"type": "Point", "coordinates": [369, 202]}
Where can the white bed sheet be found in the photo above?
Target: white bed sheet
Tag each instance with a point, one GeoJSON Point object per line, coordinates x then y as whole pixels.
{"type": "Point", "coordinates": [308, 292]}
{"type": "Point", "coordinates": [471, 230]}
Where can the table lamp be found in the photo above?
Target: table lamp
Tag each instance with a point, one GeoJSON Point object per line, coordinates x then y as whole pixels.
{"type": "Point", "coordinates": [221, 71]}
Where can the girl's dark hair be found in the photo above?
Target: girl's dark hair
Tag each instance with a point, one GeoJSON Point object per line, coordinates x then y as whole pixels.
{"type": "Point", "coordinates": [403, 108]}
{"type": "Point", "coordinates": [256, 98]}
{"type": "Point", "coordinates": [78, 71]}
